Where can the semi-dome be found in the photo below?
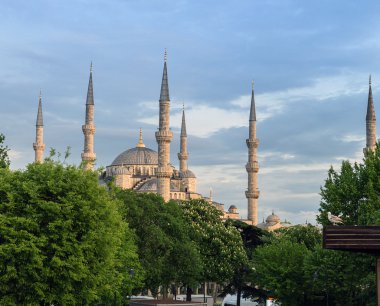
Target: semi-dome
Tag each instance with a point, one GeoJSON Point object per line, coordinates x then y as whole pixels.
{"type": "Point", "coordinates": [137, 156]}
{"type": "Point", "coordinates": [187, 174]}
{"type": "Point", "coordinates": [151, 185]}
{"type": "Point", "coordinates": [232, 209]}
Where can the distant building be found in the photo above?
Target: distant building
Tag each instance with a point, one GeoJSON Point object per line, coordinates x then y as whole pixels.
{"type": "Point", "coordinates": [146, 170]}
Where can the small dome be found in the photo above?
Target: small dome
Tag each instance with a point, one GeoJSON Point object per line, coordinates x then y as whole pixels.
{"type": "Point", "coordinates": [137, 156]}
{"type": "Point", "coordinates": [186, 174]}
{"type": "Point", "coordinates": [272, 219]}
{"type": "Point", "coordinates": [232, 209]}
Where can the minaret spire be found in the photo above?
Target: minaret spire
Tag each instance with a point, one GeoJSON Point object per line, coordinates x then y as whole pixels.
{"type": "Point", "coordinates": [252, 166]}
{"type": "Point", "coordinates": [140, 144]}
{"type": "Point", "coordinates": [183, 154]}
{"type": "Point", "coordinates": [39, 145]}
{"type": "Point", "coordinates": [163, 137]}
{"type": "Point", "coordinates": [370, 121]}
{"type": "Point", "coordinates": [88, 155]}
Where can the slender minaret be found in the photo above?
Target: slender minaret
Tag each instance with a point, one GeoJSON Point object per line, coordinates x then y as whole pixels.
{"type": "Point", "coordinates": [39, 145]}
{"type": "Point", "coordinates": [164, 136]}
{"type": "Point", "coordinates": [252, 194]}
{"type": "Point", "coordinates": [370, 122]}
{"type": "Point", "coordinates": [88, 155]}
{"type": "Point", "coordinates": [183, 154]}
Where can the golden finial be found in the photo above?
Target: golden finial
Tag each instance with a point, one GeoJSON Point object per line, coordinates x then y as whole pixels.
{"type": "Point", "coordinates": [91, 67]}
{"type": "Point", "coordinates": [165, 55]}
{"type": "Point", "coordinates": [370, 81]}
{"type": "Point", "coordinates": [40, 96]}
{"type": "Point", "coordinates": [140, 144]}
{"type": "Point", "coordinates": [253, 84]}
{"type": "Point", "coordinates": [183, 106]}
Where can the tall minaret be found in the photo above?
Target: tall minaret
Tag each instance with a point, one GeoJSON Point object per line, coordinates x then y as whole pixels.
{"type": "Point", "coordinates": [164, 136]}
{"type": "Point", "coordinates": [183, 155]}
{"type": "Point", "coordinates": [252, 194]}
{"type": "Point", "coordinates": [88, 155]}
{"type": "Point", "coordinates": [39, 145]}
{"type": "Point", "coordinates": [370, 122]}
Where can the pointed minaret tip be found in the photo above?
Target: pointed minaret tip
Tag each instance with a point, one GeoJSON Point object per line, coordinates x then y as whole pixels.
{"type": "Point", "coordinates": [183, 126]}
{"type": "Point", "coordinates": [90, 90]}
{"type": "Point", "coordinates": [370, 81]}
{"type": "Point", "coordinates": [252, 115]}
{"type": "Point", "coordinates": [165, 55]}
{"type": "Point", "coordinates": [164, 95]}
{"type": "Point", "coordinates": [140, 144]}
{"type": "Point", "coordinates": [370, 106]}
{"type": "Point", "coordinates": [39, 121]}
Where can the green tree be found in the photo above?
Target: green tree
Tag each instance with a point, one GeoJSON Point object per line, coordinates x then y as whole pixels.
{"type": "Point", "coordinates": [62, 238]}
{"type": "Point", "coordinates": [167, 255]}
{"type": "Point", "coordinates": [4, 158]}
{"type": "Point", "coordinates": [220, 245]}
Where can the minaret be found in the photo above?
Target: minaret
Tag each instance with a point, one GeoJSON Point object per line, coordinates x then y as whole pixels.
{"type": "Point", "coordinates": [252, 194]}
{"type": "Point", "coordinates": [39, 145]}
{"type": "Point", "coordinates": [183, 155]}
{"type": "Point", "coordinates": [370, 122]}
{"type": "Point", "coordinates": [88, 155]}
{"type": "Point", "coordinates": [164, 136]}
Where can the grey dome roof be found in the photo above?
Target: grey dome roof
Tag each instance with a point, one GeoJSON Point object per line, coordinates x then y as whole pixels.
{"type": "Point", "coordinates": [272, 219]}
{"type": "Point", "coordinates": [137, 156]}
{"type": "Point", "coordinates": [151, 185]}
{"type": "Point", "coordinates": [187, 174]}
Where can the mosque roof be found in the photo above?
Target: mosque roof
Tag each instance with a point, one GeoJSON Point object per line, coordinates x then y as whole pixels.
{"type": "Point", "coordinates": [187, 174]}
{"type": "Point", "coordinates": [137, 156]}
{"type": "Point", "coordinates": [151, 185]}
{"type": "Point", "coordinates": [272, 219]}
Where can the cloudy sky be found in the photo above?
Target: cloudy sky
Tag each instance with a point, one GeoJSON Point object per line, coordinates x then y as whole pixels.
{"type": "Point", "coordinates": [310, 61]}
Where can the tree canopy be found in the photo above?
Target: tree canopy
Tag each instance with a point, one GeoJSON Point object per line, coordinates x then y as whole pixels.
{"type": "Point", "coordinates": [62, 238]}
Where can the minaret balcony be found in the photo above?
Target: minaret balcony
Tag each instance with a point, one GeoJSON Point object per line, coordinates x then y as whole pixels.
{"type": "Point", "coordinates": [164, 171]}
{"type": "Point", "coordinates": [38, 146]}
{"type": "Point", "coordinates": [88, 156]}
{"type": "Point", "coordinates": [252, 167]}
{"type": "Point", "coordinates": [183, 156]}
{"type": "Point", "coordinates": [252, 194]}
{"type": "Point", "coordinates": [164, 136]}
{"type": "Point", "coordinates": [88, 129]}
{"type": "Point", "coordinates": [252, 143]}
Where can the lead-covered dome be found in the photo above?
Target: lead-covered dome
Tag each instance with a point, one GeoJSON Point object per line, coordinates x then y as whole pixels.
{"type": "Point", "coordinates": [137, 156]}
{"type": "Point", "coordinates": [272, 219]}
{"type": "Point", "coordinates": [186, 174]}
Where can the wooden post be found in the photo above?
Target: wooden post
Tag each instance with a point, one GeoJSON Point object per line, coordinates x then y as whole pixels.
{"type": "Point", "coordinates": [378, 281]}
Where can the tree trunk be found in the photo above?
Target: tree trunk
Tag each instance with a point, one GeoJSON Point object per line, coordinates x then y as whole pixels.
{"type": "Point", "coordinates": [189, 291]}
{"type": "Point", "coordinates": [238, 296]}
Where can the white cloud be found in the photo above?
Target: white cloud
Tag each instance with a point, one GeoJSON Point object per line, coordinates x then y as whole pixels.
{"type": "Point", "coordinates": [204, 120]}
{"type": "Point", "coordinates": [353, 138]}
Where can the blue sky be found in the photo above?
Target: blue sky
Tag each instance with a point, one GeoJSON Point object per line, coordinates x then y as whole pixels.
{"type": "Point", "coordinates": [310, 61]}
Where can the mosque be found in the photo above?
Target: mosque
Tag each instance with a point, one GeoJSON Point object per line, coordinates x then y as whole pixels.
{"type": "Point", "coordinates": [146, 170]}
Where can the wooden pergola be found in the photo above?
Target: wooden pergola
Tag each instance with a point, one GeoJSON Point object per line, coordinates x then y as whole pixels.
{"type": "Point", "coordinates": [352, 238]}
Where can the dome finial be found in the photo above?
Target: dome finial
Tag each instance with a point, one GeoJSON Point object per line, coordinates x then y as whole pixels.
{"type": "Point", "coordinates": [253, 84]}
{"type": "Point", "coordinates": [91, 67]}
{"type": "Point", "coordinates": [370, 81]}
{"type": "Point", "coordinates": [165, 55]}
{"type": "Point", "coordinates": [140, 144]}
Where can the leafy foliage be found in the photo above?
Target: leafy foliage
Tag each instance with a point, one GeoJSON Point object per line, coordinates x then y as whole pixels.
{"type": "Point", "coordinates": [62, 239]}
{"type": "Point", "coordinates": [220, 245]}
{"type": "Point", "coordinates": [4, 158]}
{"type": "Point", "coordinates": [167, 254]}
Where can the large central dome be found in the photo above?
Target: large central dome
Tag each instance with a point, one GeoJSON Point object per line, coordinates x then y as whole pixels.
{"type": "Point", "coordinates": [136, 156]}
